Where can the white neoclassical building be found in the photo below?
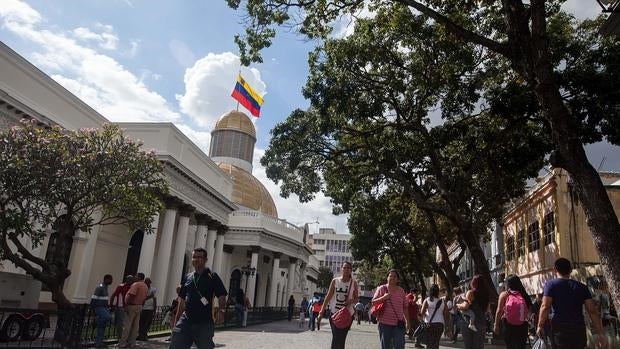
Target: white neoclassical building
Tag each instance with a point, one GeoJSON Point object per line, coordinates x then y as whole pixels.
{"type": "Point", "coordinates": [214, 202]}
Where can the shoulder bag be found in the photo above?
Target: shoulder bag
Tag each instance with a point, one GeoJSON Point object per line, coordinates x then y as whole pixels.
{"type": "Point", "coordinates": [377, 309]}
{"type": "Point", "coordinates": [420, 332]}
{"type": "Point", "coordinates": [342, 318]}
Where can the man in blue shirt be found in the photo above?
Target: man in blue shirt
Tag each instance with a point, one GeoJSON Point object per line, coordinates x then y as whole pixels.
{"type": "Point", "coordinates": [99, 302]}
{"type": "Point", "coordinates": [194, 309]}
{"type": "Point", "coordinates": [565, 299]}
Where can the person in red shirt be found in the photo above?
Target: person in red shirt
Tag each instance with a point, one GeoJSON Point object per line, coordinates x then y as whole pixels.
{"type": "Point", "coordinates": [412, 299]}
{"type": "Point", "coordinates": [117, 304]}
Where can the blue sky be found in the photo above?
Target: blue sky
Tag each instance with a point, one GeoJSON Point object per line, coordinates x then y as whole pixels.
{"type": "Point", "coordinates": [168, 61]}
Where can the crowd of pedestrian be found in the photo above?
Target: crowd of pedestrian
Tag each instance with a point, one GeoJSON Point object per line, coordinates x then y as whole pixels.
{"type": "Point", "coordinates": [131, 305]}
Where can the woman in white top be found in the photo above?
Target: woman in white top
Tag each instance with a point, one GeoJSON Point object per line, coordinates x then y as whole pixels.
{"type": "Point", "coordinates": [342, 293]}
{"type": "Point", "coordinates": [436, 315]}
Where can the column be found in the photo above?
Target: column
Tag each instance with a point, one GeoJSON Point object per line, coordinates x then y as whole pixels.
{"type": "Point", "coordinates": [291, 276]}
{"type": "Point", "coordinates": [85, 266]}
{"type": "Point", "coordinates": [251, 290]}
{"type": "Point", "coordinates": [180, 245]}
{"type": "Point", "coordinates": [274, 280]}
{"type": "Point", "coordinates": [219, 250]}
{"type": "Point", "coordinates": [211, 236]}
{"type": "Point", "coordinates": [201, 232]}
{"type": "Point", "coordinates": [159, 274]}
{"type": "Point", "coordinates": [147, 253]}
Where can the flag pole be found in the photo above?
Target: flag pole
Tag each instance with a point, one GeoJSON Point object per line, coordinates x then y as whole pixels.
{"type": "Point", "coordinates": [238, 101]}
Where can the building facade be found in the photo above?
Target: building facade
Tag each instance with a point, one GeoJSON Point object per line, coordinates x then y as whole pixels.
{"type": "Point", "coordinates": [548, 223]}
{"type": "Point", "coordinates": [213, 202]}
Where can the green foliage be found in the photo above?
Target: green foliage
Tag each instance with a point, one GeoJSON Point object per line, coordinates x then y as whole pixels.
{"type": "Point", "coordinates": [325, 277]}
{"type": "Point", "coordinates": [373, 273]}
{"type": "Point", "coordinates": [69, 181]}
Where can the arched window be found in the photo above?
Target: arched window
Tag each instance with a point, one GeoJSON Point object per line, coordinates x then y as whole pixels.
{"type": "Point", "coordinates": [133, 254]}
{"type": "Point", "coordinates": [235, 284]}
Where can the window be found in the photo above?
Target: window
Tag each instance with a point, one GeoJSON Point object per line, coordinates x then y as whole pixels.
{"type": "Point", "coordinates": [521, 243]}
{"type": "Point", "coordinates": [534, 236]}
{"type": "Point", "coordinates": [510, 248]}
{"type": "Point", "coordinates": [549, 228]}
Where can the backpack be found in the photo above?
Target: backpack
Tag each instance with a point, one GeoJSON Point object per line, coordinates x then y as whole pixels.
{"type": "Point", "coordinates": [515, 310]}
{"type": "Point", "coordinates": [316, 307]}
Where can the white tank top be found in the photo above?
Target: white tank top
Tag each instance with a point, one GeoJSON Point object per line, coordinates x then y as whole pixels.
{"type": "Point", "coordinates": [341, 290]}
{"type": "Point", "coordinates": [431, 308]}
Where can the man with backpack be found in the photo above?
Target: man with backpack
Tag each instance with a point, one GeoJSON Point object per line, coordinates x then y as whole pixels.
{"type": "Point", "coordinates": [565, 298]}
{"type": "Point", "coordinates": [314, 308]}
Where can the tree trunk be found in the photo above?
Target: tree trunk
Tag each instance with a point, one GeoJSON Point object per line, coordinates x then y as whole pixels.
{"type": "Point", "coordinates": [570, 154]}
{"type": "Point", "coordinates": [480, 262]}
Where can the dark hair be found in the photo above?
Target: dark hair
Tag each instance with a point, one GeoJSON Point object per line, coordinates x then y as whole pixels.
{"type": "Point", "coordinates": [481, 291]}
{"type": "Point", "coordinates": [200, 249]}
{"type": "Point", "coordinates": [393, 271]}
{"type": "Point", "coordinates": [140, 276]}
{"type": "Point", "coordinates": [513, 283]}
{"type": "Point", "coordinates": [433, 292]}
{"type": "Point", "coordinates": [415, 290]}
{"type": "Point", "coordinates": [347, 262]}
{"type": "Point", "coordinates": [107, 276]}
{"type": "Point", "coordinates": [456, 290]}
{"type": "Point", "coordinates": [563, 266]}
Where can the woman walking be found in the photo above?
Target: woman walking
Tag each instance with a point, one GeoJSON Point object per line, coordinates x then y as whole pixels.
{"type": "Point", "coordinates": [342, 293]}
{"type": "Point", "coordinates": [394, 319]}
{"type": "Point", "coordinates": [477, 300]}
{"type": "Point", "coordinates": [513, 309]}
{"type": "Point", "coordinates": [436, 315]}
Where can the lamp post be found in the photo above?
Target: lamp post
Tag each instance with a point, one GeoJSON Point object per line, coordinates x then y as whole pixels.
{"type": "Point", "coordinates": [247, 271]}
{"type": "Point", "coordinates": [609, 5]}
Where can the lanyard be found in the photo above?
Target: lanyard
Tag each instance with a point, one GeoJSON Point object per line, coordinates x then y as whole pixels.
{"type": "Point", "coordinates": [196, 283]}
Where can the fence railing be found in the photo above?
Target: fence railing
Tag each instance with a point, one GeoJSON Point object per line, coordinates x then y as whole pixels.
{"type": "Point", "coordinates": [20, 328]}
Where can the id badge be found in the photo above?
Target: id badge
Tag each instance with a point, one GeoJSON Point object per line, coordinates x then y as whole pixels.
{"type": "Point", "coordinates": [204, 301]}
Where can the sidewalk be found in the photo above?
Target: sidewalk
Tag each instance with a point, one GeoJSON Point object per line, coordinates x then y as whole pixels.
{"type": "Point", "coordinates": [285, 335]}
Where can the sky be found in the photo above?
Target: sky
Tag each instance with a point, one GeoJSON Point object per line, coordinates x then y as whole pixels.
{"type": "Point", "coordinates": [168, 61]}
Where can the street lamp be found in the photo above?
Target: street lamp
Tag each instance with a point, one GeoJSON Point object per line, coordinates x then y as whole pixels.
{"type": "Point", "coordinates": [609, 5]}
{"type": "Point", "coordinates": [247, 271]}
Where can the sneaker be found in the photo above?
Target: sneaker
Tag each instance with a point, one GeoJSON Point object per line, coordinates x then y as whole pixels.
{"type": "Point", "coordinates": [472, 327]}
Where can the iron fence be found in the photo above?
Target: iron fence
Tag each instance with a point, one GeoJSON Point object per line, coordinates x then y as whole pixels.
{"type": "Point", "coordinates": [20, 328]}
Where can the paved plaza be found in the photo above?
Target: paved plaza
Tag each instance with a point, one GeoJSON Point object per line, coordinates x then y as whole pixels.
{"type": "Point", "coordinates": [285, 335]}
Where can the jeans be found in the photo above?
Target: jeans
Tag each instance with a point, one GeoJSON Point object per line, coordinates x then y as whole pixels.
{"type": "Point", "coordinates": [239, 308]}
{"type": "Point", "coordinates": [339, 336]}
{"type": "Point", "coordinates": [290, 313]}
{"type": "Point", "coordinates": [146, 317]}
{"type": "Point", "coordinates": [185, 334]}
{"type": "Point", "coordinates": [471, 339]}
{"type": "Point", "coordinates": [456, 318]}
{"type": "Point", "coordinates": [313, 320]}
{"type": "Point", "coordinates": [568, 337]}
{"type": "Point", "coordinates": [515, 336]}
{"type": "Point", "coordinates": [391, 336]}
{"type": "Point", "coordinates": [103, 317]}
{"type": "Point", "coordinates": [119, 318]}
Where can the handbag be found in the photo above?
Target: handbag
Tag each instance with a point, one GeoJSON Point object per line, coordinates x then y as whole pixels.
{"type": "Point", "coordinates": [420, 332]}
{"type": "Point", "coordinates": [342, 319]}
{"type": "Point", "coordinates": [539, 344]}
{"type": "Point", "coordinates": [377, 309]}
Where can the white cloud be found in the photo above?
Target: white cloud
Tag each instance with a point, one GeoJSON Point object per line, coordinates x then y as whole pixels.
{"type": "Point", "coordinates": [182, 53]}
{"type": "Point", "coordinates": [295, 212]}
{"type": "Point", "coordinates": [98, 79]}
{"type": "Point", "coordinates": [106, 39]}
{"type": "Point", "coordinates": [345, 25]}
{"type": "Point", "coordinates": [209, 83]}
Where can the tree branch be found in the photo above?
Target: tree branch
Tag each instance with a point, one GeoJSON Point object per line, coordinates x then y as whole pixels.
{"type": "Point", "coordinates": [458, 30]}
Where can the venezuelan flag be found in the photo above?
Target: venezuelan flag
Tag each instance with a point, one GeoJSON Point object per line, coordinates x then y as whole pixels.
{"type": "Point", "coordinates": [248, 98]}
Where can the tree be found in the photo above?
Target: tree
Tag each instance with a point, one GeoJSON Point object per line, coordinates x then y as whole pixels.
{"type": "Point", "coordinates": [570, 70]}
{"type": "Point", "coordinates": [368, 128]}
{"type": "Point", "coordinates": [325, 277]}
{"type": "Point", "coordinates": [69, 181]}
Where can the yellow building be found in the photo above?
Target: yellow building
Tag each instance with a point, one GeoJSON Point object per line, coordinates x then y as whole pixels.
{"type": "Point", "coordinates": [547, 223]}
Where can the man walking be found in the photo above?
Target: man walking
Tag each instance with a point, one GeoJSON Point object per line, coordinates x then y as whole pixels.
{"type": "Point", "coordinates": [359, 312]}
{"type": "Point", "coordinates": [194, 309]}
{"type": "Point", "coordinates": [565, 299]}
{"type": "Point", "coordinates": [99, 303]}
{"type": "Point", "coordinates": [117, 304]}
{"type": "Point", "coordinates": [148, 311]}
{"type": "Point", "coordinates": [455, 315]}
{"type": "Point", "coordinates": [413, 309]}
{"type": "Point", "coordinates": [134, 299]}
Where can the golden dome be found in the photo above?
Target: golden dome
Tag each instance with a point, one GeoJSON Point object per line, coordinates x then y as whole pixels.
{"type": "Point", "coordinates": [236, 120]}
{"type": "Point", "coordinates": [249, 191]}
